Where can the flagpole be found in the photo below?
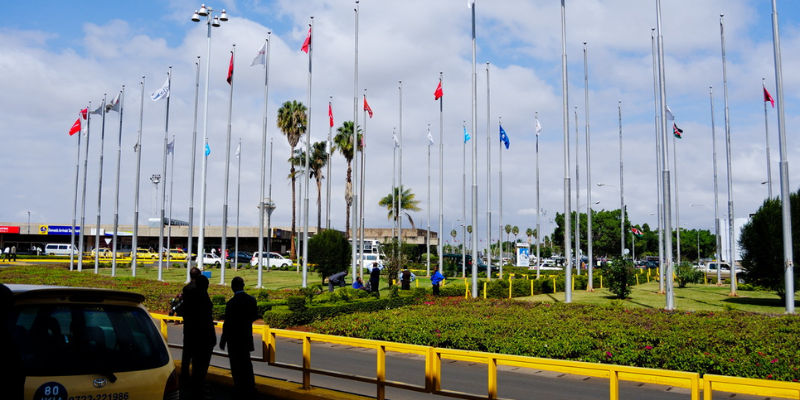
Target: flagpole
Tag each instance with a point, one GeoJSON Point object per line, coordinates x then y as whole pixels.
{"type": "Point", "coordinates": [464, 207]}
{"type": "Point", "coordinates": [308, 151]}
{"type": "Point", "coordinates": [677, 203]}
{"type": "Point", "coordinates": [83, 195]}
{"type": "Point", "coordinates": [731, 232]}
{"type": "Point", "coordinates": [263, 206]}
{"type": "Point", "coordinates": [500, 201]}
{"type": "Point", "coordinates": [138, 149]}
{"type": "Point", "coordinates": [363, 165]}
{"type": "Point", "coordinates": [354, 140]}
{"type": "Point", "coordinates": [665, 173]}
{"type": "Point", "coordinates": [474, 162]}
{"type": "Point", "coordinates": [428, 238]}
{"type": "Point", "coordinates": [163, 187]}
{"type": "Point", "coordinates": [190, 231]}
{"type": "Point", "coordinates": [99, 190]}
{"type": "Point", "coordinates": [224, 248]}
{"type": "Point", "coordinates": [488, 177]}
{"type": "Point", "coordinates": [538, 203]}
{"type": "Point", "coordinates": [659, 187]}
{"type": "Point", "coordinates": [395, 145]}
{"type": "Point", "coordinates": [766, 136]}
{"type": "Point", "coordinates": [716, 187]}
{"type": "Point", "coordinates": [621, 188]}
{"type": "Point", "coordinates": [784, 169]}
{"type": "Point", "coordinates": [171, 187]}
{"type": "Point", "coordinates": [399, 209]}
{"type": "Point", "coordinates": [269, 212]}
{"type": "Point", "coordinates": [577, 198]}
{"type": "Point", "coordinates": [329, 149]}
{"type": "Point", "coordinates": [567, 183]}
{"type": "Point", "coordinates": [238, 204]}
{"type": "Point", "coordinates": [439, 235]}
{"type": "Point", "coordinates": [590, 254]}
{"type": "Point", "coordinates": [116, 190]}
{"type": "Point", "coordinates": [75, 199]}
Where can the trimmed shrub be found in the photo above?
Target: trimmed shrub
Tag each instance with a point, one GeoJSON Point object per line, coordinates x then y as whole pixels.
{"type": "Point", "coordinates": [218, 300]}
{"type": "Point", "coordinates": [296, 303]}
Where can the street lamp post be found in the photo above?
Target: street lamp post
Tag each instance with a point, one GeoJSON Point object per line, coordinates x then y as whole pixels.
{"type": "Point", "coordinates": [210, 22]}
{"type": "Point", "coordinates": [621, 219]}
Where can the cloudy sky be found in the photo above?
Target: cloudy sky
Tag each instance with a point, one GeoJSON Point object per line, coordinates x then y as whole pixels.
{"type": "Point", "coordinates": [56, 60]}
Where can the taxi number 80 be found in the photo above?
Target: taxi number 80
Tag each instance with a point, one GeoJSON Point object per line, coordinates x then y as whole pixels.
{"type": "Point", "coordinates": [104, 396]}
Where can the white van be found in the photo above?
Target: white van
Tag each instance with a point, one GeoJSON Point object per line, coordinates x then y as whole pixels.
{"type": "Point", "coordinates": [58, 249]}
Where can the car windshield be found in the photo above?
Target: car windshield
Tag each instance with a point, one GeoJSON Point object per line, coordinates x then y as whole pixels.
{"type": "Point", "coordinates": [80, 339]}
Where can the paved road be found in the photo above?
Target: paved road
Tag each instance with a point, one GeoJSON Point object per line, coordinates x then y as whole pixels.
{"type": "Point", "coordinates": [513, 383]}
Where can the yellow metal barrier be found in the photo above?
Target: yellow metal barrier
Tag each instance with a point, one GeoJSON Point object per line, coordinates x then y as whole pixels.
{"type": "Point", "coordinates": [433, 368]}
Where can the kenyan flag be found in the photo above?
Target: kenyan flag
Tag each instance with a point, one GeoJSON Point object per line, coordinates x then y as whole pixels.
{"type": "Point", "coordinates": [637, 232]}
{"type": "Point", "coordinates": [677, 131]}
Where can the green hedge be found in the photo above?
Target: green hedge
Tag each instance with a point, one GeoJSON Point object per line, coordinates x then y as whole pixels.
{"type": "Point", "coordinates": [281, 317]}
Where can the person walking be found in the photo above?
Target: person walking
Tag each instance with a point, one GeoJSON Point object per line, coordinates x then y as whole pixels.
{"type": "Point", "coordinates": [199, 336]}
{"type": "Point", "coordinates": [14, 253]}
{"type": "Point", "coordinates": [436, 279]}
{"type": "Point", "coordinates": [374, 278]}
{"type": "Point", "coordinates": [237, 333]}
{"type": "Point", "coordinates": [7, 254]}
{"type": "Point", "coordinates": [405, 279]}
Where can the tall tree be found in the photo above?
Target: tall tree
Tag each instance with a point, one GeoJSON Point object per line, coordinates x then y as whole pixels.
{"type": "Point", "coordinates": [317, 162]}
{"type": "Point", "coordinates": [407, 203]}
{"type": "Point", "coordinates": [343, 143]}
{"type": "Point", "coordinates": [292, 122]}
{"type": "Point", "coordinates": [529, 233]}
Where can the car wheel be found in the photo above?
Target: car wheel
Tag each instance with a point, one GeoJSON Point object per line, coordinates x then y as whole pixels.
{"type": "Point", "coordinates": [284, 266]}
{"type": "Point", "coordinates": [740, 280]}
{"type": "Point", "coordinates": [217, 264]}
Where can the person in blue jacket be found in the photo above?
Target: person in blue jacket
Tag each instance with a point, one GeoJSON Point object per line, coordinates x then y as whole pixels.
{"type": "Point", "coordinates": [436, 279]}
{"type": "Point", "coordinates": [359, 284]}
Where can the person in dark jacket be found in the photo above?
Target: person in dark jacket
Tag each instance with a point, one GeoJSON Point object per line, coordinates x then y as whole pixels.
{"type": "Point", "coordinates": [436, 279]}
{"type": "Point", "coordinates": [336, 280]}
{"type": "Point", "coordinates": [237, 333]}
{"type": "Point", "coordinates": [374, 278]}
{"type": "Point", "coordinates": [405, 279]}
{"type": "Point", "coordinates": [199, 336]}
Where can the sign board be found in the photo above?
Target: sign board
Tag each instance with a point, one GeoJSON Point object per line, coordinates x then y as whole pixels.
{"type": "Point", "coordinates": [523, 255]}
{"type": "Point", "coordinates": [58, 230]}
{"type": "Point", "coordinates": [9, 229]}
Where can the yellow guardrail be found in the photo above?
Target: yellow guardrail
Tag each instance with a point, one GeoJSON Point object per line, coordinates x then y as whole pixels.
{"type": "Point", "coordinates": [434, 357]}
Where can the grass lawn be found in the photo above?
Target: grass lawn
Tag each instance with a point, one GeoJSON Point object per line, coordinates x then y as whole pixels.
{"type": "Point", "coordinates": [691, 298]}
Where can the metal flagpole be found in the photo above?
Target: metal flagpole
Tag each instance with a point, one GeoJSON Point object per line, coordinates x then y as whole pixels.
{"type": "Point", "coordinates": [223, 252]}
{"type": "Point", "coordinates": [665, 173]}
{"type": "Point", "coordinates": [75, 199]}
{"type": "Point", "coordinates": [190, 231]}
{"type": "Point", "coordinates": [659, 188]}
{"type": "Point", "coordinates": [500, 201]}
{"type": "Point", "coordinates": [567, 183]}
{"type": "Point", "coordinates": [784, 169]}
{"type": "Point", "coordinates": [354, 140]}
{"type": "Point", "coordinates": [621, 190]}
{"type": "Point", "coordinates": [716, 187]}
{"type": "Point", "coordinates": [238, 204]}
{"type": "Point", "coordinates": [428, 238]}
{"type": "Point", "coordinates": [171, 186]}
{"type": "Point", "coordinates": [677, 191]}
{"type": "Point", "coordinates": [441, 181]}
{"type": "Point", "coordinates": [731, 233]}
{"type": "Point", "coordinates": [83, 196]}
{"type": "Point", "coordinates": [164, 187]}
{"type": "Point", "coordinates": [464, 207]}
{"type": "Point", "coordinates": [329, 149]}
{"type": "Point", "coordinates": [766, 136]}
{"type": "Point", "coordinates": [395, 145]}
{"type": "Point", "coordinates": [138, 149]}
{"type": "Point", "coordinates": [363, 165]}
{"type": "Point", "coordinates": [399, 209]}
{"type": "Point", "coordinates": [589, 250]}
{"type": "Point", "coordinates": [488, 177]}
{"type": "Point", "coordinates": [264, 207]}
{"type": "Point", "coordinates": [474, 162]}
{"type": "Point", "coordinates": [577, 198]}
{"type": "Point", "coordinates": [537, 127]}
{"type": "Point", "coordinates": [99, 190]}
{"type": "Point", "coordinates": [116, 190]}
{"type": "Point", "coordinates": [308, 152]}
{"type": "Point", "coordinates": [269, 209]}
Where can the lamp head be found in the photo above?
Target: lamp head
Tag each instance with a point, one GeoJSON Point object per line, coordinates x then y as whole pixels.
{"type": "Point", "coordinates": [224, 16]}
{"type": "Point", "coordinates": [215, 22]}
{"type": "Point", "coordinates": [196, 16]}
{"type": "Point", "coordinates": [203, 11]}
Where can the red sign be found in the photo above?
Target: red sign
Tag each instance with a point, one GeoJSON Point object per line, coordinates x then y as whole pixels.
{"type": "Point", "coordinates": [9, 229]}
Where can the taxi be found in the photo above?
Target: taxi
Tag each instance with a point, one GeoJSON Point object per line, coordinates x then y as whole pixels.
{"type": "Point", "coordinates": [177, 254]}
{"type": "Point", "coordinates": [146, 253]}
{"type": "Point", "coordinates": [80, 343]}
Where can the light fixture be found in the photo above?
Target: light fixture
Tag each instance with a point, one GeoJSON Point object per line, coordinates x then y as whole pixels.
{"type": "Point", "coordinates": [203, 11]}
{"type": "Point", "coordinates": [224, 16]}
{"type": "Point", "coordinates": [215, 23]}
{"type": "Point", "coordinates": [196, 16]}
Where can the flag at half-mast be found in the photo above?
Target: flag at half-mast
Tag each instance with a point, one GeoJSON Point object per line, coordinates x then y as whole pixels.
{"type": "Point", "coordinates": [396, 142]}
{"type": "Point", "coordinates": [230, 70]}
{"type": "Point", "coordinates": [504, 137]}
{"type": "Point", "coordinates": [768, 98]}
{"type": "Point", "coordinates": [430, 138]}
{"type": "Point", "coordinates": [261, 57]}
{"type": "Point", "coordinates": [307, 42]}
{"type": "Point", "coordinates": [466, 135]}
{"type": "Point", "coordinates": [538, 126]}
{"type": "Point", "coordinates": [677, 131]}
{"type": "Point", "coordinates": [367, 108]}
{"type": "Point", "coordinates": [637, 232]}
{"type": "Point", "coordinates": [330, 114]}
{"type": "Point", "coordinates": [438, 93]}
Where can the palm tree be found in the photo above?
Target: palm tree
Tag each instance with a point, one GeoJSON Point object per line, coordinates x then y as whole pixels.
{"type": "Point", "coordinates": [344, 144]}
{"type": "Point", "coordinates": [515, 231]}
{"type": "Point", "coordinates": [507, 228]}
{"type": "Point", "coordinates": [407, 202]}
{"type": "Point", "coordinates": [529, 233]}
{"type": "Point", "coordinates": [292, 122]}
{"type": "Point", "coordinates": [316, 165]}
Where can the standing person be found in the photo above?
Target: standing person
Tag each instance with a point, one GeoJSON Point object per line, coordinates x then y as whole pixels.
{"type": "Point", "coordinates": [436, 279]}
{"type": "Point", "coordinates": [7, 254]}
{"type": "Point", "coordinates": [14, 253]}
{"type": "Point", "coordinates": [405, 279]}
{"type": "Point", "coordinates": [374, 278]}
{"type": "Point", "coordinates": [237, 332]}
{"type": "Point", "coordinates": [199, 336]}
{"type": "Point", "coordinates": [12, 371]}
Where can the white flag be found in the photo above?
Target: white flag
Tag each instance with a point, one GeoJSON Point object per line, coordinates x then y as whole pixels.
{"type": "Point", "coordinates": [396, 143]}
{"type": "Point", "coordinates": [430, 138]}
{"type": "Point", "coordinates": [470, 3]}
{"type": "Point", "coordinates": [163, 92]}
{"type": "Point", "coordinates": [261, 57]}
{"type": "Point", "coordinates": [171, 147]}
{"type": "Point", "coordinates": [238, 150]}
{"type": "Point", "coordinates": [538, 126]}
{"type": "Point", "coordinates": [670, 115]}
{"type": "Point", "coordinates": [113, 105]}
{"type": "Point", "coordinates": [98, 110]}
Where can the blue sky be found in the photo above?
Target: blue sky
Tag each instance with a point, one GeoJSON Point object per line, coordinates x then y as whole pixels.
{"type": "Point", "coordinates": [58, 60]}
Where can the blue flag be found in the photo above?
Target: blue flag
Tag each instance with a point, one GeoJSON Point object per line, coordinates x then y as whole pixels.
{"type": "Point", "coordinates": [208, 150]}
{"type": "Point", "coordinates": [466, 135]}
{"type": "Point", "coordinates": [504, 137]}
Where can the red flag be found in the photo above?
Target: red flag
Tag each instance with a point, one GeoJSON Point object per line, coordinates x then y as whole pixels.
{"type": "Point", "coordinates": [367, 108]}
{"type": "Point", "coordinates": [330, 113]}
{"type": "Point", "coordinates": [768, 98]}
{"type": "Point", "coordinates": [230, 71]}
{"type": "Point", "coordinates": [438, 93]}
{"type": "Point", "coordinates": [84, 112]}
{"type": "Point", "coordinates": [307, 42]}
{"type": "Point", "coordinates": [76, 127]}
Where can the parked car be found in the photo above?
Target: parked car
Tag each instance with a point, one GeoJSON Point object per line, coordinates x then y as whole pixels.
{"type": "Point", "coordinates": [178, 254]}
{"type": "Point", "coordinates": [243, 256]}
{"type": "Point", "coordinates": [275, 260]}
{"type": "Point", "coordinates": [58, 249]}
{"type": "Point", "coordinates": [368, 259]}
{"type": "Point", "coordinates": [80, 343]}
{"type": "Point", "coordinates": [145, 254]}
{"type": "Point", "coordinates": [209, 259]}
{"type": "Point", "coordinates": [710, 270]}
